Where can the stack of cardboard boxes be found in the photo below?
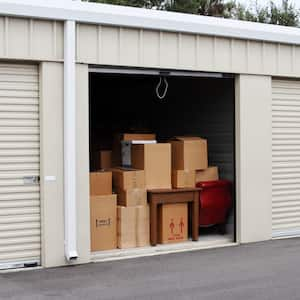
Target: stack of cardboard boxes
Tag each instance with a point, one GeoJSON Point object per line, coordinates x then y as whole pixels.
{"type": "Point", "coordinates": [133, 227]}
{"type": "Point", "coordinates": [103, 212]}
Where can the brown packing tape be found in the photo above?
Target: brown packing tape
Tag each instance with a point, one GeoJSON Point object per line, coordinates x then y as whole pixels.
{"type": "Point", "coordinates": [186, 178]}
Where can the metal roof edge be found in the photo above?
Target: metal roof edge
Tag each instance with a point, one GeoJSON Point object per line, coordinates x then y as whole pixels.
{"type": "Point", "coordinates": [148, 19]}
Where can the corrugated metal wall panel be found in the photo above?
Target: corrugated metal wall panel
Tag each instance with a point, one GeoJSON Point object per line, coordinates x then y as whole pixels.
{"type": "Point", "coordinates": [108, 45]}
{"type": "Point", "coordinates": [285, 157]}
{"type": "Point", "coordinates": [20, 240]}
{"type": "Point", "coordinates": [24, 38]}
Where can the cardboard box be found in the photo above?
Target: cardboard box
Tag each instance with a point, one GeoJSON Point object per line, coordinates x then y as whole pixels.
{"type": "Point", "coordinates": [133, 226]}
{"type": "Point", "coordinates": [126, 150]}
{"type": "Point", "coordinates": [133, 197]}
{"type": "Point", "coordinates": [100, 183]}
{"type": "Point", "coordinates": [128, 178]}
{"type": "Point", "coordinates": [209, 174]}
{"type": "Point", "coordinates": [104, 159]}
{"type": "Point", "coordinates": [189, 153]}
{"type": "Point", "coordinates": [183, 179]}
{"type": "Point", "coordinates": [116, 152]}
{"type": "Point", "coordinates": [172, 223]}
{"type": "Point", "coordinates": [155, 160]}
{"type": "Point", "coordinates": [103, 214]}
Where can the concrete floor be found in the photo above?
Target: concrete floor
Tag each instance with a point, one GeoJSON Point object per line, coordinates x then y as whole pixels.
{"type": "Point", "coordinates": [258, 271]}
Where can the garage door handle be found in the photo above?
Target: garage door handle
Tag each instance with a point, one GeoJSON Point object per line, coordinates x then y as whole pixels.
{"type": "Point", "coordinates": [31, 180]}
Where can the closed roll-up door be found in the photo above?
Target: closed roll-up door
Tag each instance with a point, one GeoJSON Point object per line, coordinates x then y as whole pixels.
{"type": "Point", "coordinates": [20, 229]}
{"type": "Point", "coordinates": [285, 158]}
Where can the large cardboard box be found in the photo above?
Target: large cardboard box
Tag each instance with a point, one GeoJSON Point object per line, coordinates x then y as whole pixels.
{"type": "Point", "coordinates": [133, 227]}
{"type": "Point", "coordinates": [104, 157]}
{"type": "Point", "coordinates": [132, 197]}
{"type": "Point", "coordinates": [183, 179]}
{"type": "Point", "coordinates": [128, 178]}
{"type": "Point", "coordinates": [155, 160]}
{"type": "Point", "coordinates": [118, 138]}
{"type": "Point", "coordinates": [100, 183]}
{"type": "Point", "coordinates": [103, 215]}
{"type": "Point", "coordinates": [172, 223]}
{"type": "Point", "coordinates": [209, 174]}
{"type": "Point", "coordinates": [189, 153]}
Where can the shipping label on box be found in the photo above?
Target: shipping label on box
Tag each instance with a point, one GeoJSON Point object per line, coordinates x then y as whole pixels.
{"type": "Point", "coordinates": [132, 197]}
{"type": "Point", "coordinates": [103, 214]}
{"type": "Point", "coordinates": [183, 179]}
{"type": "Point", "coordinates": [128, 178]}
{"type": "Point", "coordinates": [209, 174]}
{"type": "Point", "coordinates": [100, 183]}
{"type": "Point", "coordinates": [173, 223]}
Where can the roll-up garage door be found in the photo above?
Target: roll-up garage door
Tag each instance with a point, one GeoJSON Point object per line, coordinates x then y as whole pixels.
{"type": "Point", "coordinates": [20, 240]}
{"type": "Point", "coordinates": [285, 158]}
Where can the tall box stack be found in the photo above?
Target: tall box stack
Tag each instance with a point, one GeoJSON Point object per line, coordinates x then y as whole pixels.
{"type": "Point", "coordinates": [188, 155]}
{"type": "Point", "coordinates": [103, 212]}
{"type": "Point", "coordinates": [133, 227]}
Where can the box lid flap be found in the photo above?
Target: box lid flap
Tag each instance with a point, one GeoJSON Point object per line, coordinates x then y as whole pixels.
{"type": "Point", "coordinates": [187, 138]}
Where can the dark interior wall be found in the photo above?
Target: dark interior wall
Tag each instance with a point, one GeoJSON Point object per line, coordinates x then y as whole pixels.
{"type": "Point", "coordinates": [193, 106]}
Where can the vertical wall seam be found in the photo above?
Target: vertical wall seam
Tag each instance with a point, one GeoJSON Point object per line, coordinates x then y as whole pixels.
{"type": "Point", "coordinates": [77, 42]}
{"type": "Point", "coordinates": [120, 32]}
{"type": "Point", "coordinates": [179, 38]}
{"type": "Point", "coordinates": [141, 48]}
{"type": "Point", "coordinates": [277, 57]}
{"type": "Point", "coordinates": [160, 48]}
{"type": "Point", "coordinates": [99, 44]}
{"type": "Point", "coordinates": [293, 59]}
{"type": "Point", "coordinates": [54, 39]}
{"type": "Point", "coordinates": [263, 55]}
{"type": "Point", "coordinates": [231, 55]}
{"type": "Point", "coordinates": [196, 51]}
{"type": "Point", "coordinates": [214, 53]}
{"type": "Point", "coordinates": [6, 36]}
{"type": "Point", "coordinates": [30, 34]}
{"type": "Point", "coordinates": [247, 55]}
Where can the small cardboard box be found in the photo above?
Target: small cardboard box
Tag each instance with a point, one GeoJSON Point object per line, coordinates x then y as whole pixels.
{"type": "Point", "coordinates": [183, 179]}
{"type": "Point", "coordinates": [103, 214]}
{"type": "Point", "coordinates": [209, 174]}
{"type": "Point", "coordinates": [189, 153]}
{"type": "Point", "coordinates": [155, 160]}
{"type": "Point", "coordinates": [133, 227]}
{"type": "Point", "coordinates": [118, 138]}
{"type": "Point", "coordinates": [128, 179]}
{"type": "Point", "coordinates": [172, 223]}
{"type": "Point", "coordinates": [132, 197]}
{"type": "Point", "coordinates": [100, 183]}
{"type": "Point", "coordinates": [105, 159]}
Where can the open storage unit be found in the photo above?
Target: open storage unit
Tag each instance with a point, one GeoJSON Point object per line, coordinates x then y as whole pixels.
{"type": "Point", "coordinates": [195, 104]}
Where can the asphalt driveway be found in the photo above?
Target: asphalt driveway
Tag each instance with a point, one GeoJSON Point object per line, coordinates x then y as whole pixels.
{"type": "Point", "coordinates": [258, 271]}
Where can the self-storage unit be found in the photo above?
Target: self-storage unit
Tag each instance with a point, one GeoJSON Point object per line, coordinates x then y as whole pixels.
{"type": "Point", "coordinates": [72, 71]}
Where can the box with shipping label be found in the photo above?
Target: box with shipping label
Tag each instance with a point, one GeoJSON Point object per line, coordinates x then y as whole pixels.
{"type": "Point", "coordinates": [126, 150]}
{"type": "Point", "coordinates": [103, 215]}
{"type": "Point", "coordinates": [128, 178]}
{"type": "Point", "coordinates": [100, 183]}
{"type": "Point", "coordinates": [118, 138]}
{"type": "Point", "coordinates": [155, 160]}
{"type": "Point", "coordinates": [189, 153]}
{"type": "Point", "coordinates": [104, 157]}
{"type": "Point", "coordinates": [132, 197]}
{"type": "Point", "coordinates": [172, 223]}
{"type": "Point", "coordinates": [183, 179]}
{"type": "Point", "coordinates": [209, 174]}
{"type": "Point", "coordinates": [133, 227]}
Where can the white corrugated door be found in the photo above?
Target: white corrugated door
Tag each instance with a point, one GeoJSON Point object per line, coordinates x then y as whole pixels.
{"type": "Point", "coordinates": [20, 240]}
{"type": "Point", "coordinates": [286, 158]}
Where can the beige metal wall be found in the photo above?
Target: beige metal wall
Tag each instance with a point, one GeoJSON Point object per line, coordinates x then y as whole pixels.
{"type": "Point", "coordinates": [254, 158]}
{"type": "Point", "coordinates": [51, 110]}
{"type": "Point", "coordinates": [106, 45]}
{"type": "Point", "coordinates": [31, 39]}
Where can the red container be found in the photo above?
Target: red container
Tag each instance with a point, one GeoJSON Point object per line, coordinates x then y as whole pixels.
{"type": "Point", "coordinates": [214, 202]}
